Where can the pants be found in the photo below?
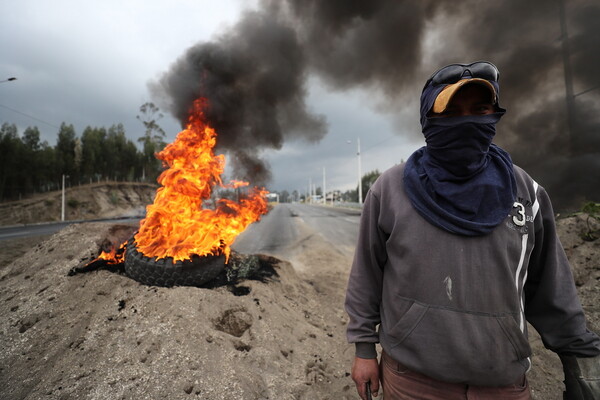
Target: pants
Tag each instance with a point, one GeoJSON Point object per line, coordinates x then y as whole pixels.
{"type": "Point", "coordinates": [398, 383]}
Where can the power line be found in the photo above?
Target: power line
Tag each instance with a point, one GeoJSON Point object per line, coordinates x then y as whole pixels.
{"type": "Point", "coordinates": [587, 90]}
{"type": "Point", "coordinates": [29, 116]}
{"type": "Point", "coordinates": [378, 143]}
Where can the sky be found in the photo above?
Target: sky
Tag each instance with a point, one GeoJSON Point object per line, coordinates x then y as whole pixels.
{"type": "Point", "coordinates": [295, 84]}
{"type": "Point", "coordinates": [89, 63]}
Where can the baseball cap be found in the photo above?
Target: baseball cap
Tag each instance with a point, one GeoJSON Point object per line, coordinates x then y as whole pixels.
{"type": "Point", "coordinates": [446, 95]}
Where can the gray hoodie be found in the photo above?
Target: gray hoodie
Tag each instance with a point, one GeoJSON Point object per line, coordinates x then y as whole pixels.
{"type": "Point", "coordinates": [454, 307]}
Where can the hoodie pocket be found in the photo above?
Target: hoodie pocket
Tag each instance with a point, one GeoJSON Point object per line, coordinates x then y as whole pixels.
{"type": "Point", "coordinates": [457, 346]}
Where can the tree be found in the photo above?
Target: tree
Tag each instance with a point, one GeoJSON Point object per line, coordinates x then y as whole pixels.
{"type": "Point", "coordinates": [152, 141]}
{"type": "Point", "coordinates": [93, 153]}
{"type": "Point", "coordinates": [29, 165]}
{"type": "Point", "coordinates": [31, 138]}
{"type": "Point", "coordinates": [30, 168]}
{"type": "Point", "coordinates": [10, 149]}
{"type": "Point", "coordinates": [78, 156]}
{"type": "Point", "coordinates": [122, 153]}
{"type": "Point", "coordinates": [350, 195]}
{"type": "Point", "coordinates": [368, 180]}
{"type": "Point", "coordinates": [65, 150]}
{"type": "Point", "coordinates": [48, 167]}
{"type": "Point", "coordinates": [150, 114]}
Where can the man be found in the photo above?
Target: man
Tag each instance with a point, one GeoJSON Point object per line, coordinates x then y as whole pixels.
{"type": "Point", "coordinates": [457, 248]}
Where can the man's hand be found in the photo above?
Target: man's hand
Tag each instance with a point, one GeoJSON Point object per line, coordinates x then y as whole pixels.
{"type": "Point", "coordinates": [365, 370]}
{"type": "Point", "coordinates": [582, 377]}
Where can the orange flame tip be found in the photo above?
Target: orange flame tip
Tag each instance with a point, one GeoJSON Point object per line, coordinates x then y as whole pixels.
{"type": "Point", "coordinates": [176, 224]}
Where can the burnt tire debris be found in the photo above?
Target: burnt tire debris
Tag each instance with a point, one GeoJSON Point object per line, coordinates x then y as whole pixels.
{"type": "Point", "coordinates": [205, 272]}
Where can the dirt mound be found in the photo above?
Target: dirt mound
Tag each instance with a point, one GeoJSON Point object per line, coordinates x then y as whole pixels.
{"type": "Point", "coordinates": [85, 202]}
{"type": "Point", "coordinates": [102, 335]}
{"type": "Point", "coordinates": [546, 375]}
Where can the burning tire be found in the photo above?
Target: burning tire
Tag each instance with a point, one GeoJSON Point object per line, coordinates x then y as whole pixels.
{"type": "Point", "coordinates": [162, 272]}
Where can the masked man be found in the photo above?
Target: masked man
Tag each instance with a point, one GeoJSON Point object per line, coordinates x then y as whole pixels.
{"type": "Point", "coordinates": [457, 249]}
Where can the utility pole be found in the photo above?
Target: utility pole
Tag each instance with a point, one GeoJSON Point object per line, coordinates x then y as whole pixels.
{"type": "Point", "coordinates": [359, 173]}
{"type": "Point", "coordinates": [324, 188]}
{"type": "Point", "coordinates": [62, 211]}
{"type": "Point", "coordinates": [566, 53]}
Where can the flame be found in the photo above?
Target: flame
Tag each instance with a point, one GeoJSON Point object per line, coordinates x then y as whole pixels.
{"type": "Point", "coordinates": [114, 256]}
{"type": "Point", "coordinates": [176, 224]}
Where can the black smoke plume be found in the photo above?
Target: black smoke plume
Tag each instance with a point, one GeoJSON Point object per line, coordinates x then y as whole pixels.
{"type": "Point", "coordinates": [255, 75]}
{"type": "Point", "coordinates": [564, 157]}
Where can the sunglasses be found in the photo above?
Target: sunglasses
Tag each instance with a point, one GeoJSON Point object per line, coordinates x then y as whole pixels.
{"type": "Point", "coordinates": [454, 72]}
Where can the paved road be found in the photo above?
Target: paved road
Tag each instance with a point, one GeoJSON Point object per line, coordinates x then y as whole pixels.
{"type": "Point", "coordinates": [287, 223]}
{"type": "Point", "coordinates": [275, 233]}
{"type": "Point", "coordinates": [15, 232]}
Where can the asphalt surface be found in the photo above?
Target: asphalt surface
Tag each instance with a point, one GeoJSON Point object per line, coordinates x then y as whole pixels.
{"type": "Point", "coordinates": [287, 224]}
{"type": "Point", "coordinates": [275, 233]}
{"type": "Point", "coordinates": [21, 231]}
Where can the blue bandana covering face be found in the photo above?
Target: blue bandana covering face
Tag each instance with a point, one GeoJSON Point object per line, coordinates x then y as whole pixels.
{"type": "Point", "coordinates": [460, 181]}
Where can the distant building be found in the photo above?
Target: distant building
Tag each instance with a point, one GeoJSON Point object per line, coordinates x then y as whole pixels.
{"type": "Point", "coordinates": [273, 197]}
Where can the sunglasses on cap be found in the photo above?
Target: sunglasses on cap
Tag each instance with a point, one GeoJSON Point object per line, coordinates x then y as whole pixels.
{"type": "Point", "coordinates": [454, 72]}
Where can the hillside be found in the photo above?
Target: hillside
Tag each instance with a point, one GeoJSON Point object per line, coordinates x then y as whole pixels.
{"type": "Point", "coordinates": [85, 202]}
